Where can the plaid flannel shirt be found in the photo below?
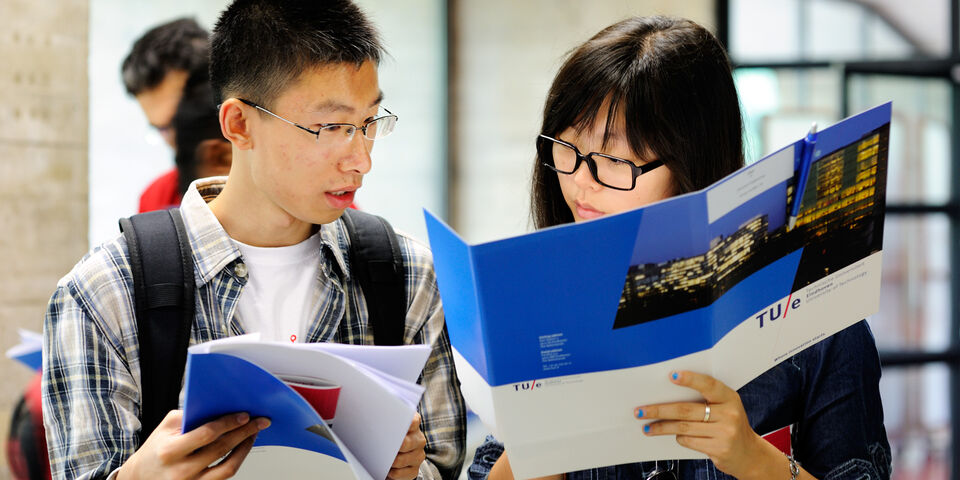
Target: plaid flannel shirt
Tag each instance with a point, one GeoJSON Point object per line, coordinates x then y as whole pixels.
{"type": "Point", "coordinates": [91, 370]}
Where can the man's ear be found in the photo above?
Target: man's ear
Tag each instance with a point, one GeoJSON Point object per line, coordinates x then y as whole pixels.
{"type": "Point", "coordinates": [235, 123]}
{"type": "Point", "coordinates": [213, 158]}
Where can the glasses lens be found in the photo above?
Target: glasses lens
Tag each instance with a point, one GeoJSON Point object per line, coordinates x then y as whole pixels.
{"type": "Point", "coordinates": [614, 172]}
{"type": "Point", "coordinates": [336, 132]}
{"type": "Point", "coordinates": [564, 158]}
{"type": "Point", "coordinates": [381, 127]}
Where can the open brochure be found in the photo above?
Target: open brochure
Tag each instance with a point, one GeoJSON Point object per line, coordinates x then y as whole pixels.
{"type": "Point", "coordinates": [28, 351]}
{"type": "Point", "coordinates": [336, 411]}
{"type": "Point", "coordinates": [560, 333]}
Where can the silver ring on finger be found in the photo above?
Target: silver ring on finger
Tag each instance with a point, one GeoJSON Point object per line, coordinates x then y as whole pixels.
{"type": "Point", "coordinates": [706, 412]}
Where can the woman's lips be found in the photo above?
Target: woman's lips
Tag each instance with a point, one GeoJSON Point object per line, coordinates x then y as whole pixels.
{"type": "Point", "coordinates": [586, 212]}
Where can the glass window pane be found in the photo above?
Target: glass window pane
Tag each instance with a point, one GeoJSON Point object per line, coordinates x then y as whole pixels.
{"type": "Point", "coordinates": [780, 104]}
{"type": "Point", "coordinates": [795, 30]}
{"type": "Point", "coordinates": [915, 301]}
{"type": "Point", "coordinates": [916, 411]}
{"type": "Point", "coordinates": [764, 30]}
{"type": "Point", "coordinates": [919, 134]}
{"type": "Point", "coordinates": [835, 30]}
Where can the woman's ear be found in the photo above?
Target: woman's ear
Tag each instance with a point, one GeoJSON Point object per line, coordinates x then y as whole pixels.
{"type": "Point", "coordinates": [235, 123]}
{"type": "Point", "coordinates": [214, 158]}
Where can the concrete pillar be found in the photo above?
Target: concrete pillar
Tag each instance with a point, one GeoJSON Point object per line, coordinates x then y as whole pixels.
{"type": "Point", "coordinates": [43, 168]}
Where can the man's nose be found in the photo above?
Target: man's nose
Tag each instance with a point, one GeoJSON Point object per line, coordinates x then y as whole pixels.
{"type": "Point", "coordinates": [359, 159]}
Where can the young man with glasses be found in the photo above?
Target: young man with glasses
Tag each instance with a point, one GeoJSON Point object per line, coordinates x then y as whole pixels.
{"type": "Point", "coordinates": [300, 104]}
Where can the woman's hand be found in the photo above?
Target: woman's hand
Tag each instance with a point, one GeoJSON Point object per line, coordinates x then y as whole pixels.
{"type": "Point", "coordinates": [719, 428]}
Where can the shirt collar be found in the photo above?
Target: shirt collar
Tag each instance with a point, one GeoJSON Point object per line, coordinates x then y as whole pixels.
{"type": "Point", "coordinates": [334, 238]}
{"type": "Point", "coordinates": [212, 248]}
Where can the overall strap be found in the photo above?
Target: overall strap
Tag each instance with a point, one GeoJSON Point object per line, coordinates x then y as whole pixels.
{"type": "Point", "coordinates": [163, 284]}
{"type": "Point", "coordinates": [376, 263]}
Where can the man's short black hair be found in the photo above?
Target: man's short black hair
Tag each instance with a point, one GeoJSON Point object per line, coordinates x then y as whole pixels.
{"type": "Point", "coordinates": [259, 46]}
{"type": "Point", "coordinates": [181, 44]}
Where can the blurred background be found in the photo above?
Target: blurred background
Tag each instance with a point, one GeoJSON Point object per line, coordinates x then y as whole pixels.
{"type": "Point", "coordinates": [468, 79]}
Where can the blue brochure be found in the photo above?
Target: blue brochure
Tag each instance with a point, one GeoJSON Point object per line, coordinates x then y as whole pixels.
{"type": "Point", "coordinates": [712, 281]}
{"type": "Point", "coordinates": [338, 411]}
{"type": "Point", "coordinates": [29, 350]}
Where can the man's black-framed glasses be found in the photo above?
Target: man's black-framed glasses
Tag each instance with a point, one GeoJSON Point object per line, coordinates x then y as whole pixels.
{"type": "Point", "coordinates": [373, 129]}
{"type": "Point", "coordinates": [611, 172]}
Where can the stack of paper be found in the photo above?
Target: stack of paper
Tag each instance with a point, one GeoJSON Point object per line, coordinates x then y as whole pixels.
{"type": "Point", "coordinates": [377, 401]}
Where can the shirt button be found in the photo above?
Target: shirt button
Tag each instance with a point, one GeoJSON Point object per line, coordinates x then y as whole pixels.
{"type": "Point", "coordinates": [240, 270]}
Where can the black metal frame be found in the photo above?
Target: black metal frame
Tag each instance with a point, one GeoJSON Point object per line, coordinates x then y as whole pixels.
{"type": "Point", "coordinates": [944, 68]}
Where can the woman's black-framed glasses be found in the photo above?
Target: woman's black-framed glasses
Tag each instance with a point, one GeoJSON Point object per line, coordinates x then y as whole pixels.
{"type": "Point", "coordinates": [373, 129]}
{"type": "Point", "coordinates": [611, 172]}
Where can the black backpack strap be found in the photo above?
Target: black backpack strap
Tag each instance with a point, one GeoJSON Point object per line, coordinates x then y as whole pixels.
{"type": "Point", "coordinates": [163, 286]}
{"type": "Point", "coordinates": [376, 263]}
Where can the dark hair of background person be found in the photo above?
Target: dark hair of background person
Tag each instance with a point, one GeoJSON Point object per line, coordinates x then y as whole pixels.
{"type": "Point", "coordinates": [181, 44]}
{"type": "Point", "coordinates": [195, 122]}
{"type": "Point", "coordinates": [671, 80]}
{"type": "Point", "coordinates": [259, 47]}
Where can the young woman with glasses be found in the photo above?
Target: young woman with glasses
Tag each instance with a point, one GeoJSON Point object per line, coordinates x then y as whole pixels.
{"type": "Point", "coordinates": [649, 107]}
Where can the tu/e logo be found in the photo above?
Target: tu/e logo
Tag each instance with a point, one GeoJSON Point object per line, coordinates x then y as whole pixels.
{"type": "Point", "coordinates": [527, 385]}
{"type": "Point", "coordinates": [778, 310]}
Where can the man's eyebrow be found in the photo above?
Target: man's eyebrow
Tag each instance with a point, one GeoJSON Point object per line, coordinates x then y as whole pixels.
{"type": "Point", "coordinates": [378, 100]}
{"type": "Point", "coordinates": [332, 106]}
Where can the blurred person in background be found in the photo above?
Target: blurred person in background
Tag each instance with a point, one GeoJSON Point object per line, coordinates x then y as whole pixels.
{"type": "Point", "coordinates": [201, 150]}
{"type": "Point", "coordinates": [155, 73]}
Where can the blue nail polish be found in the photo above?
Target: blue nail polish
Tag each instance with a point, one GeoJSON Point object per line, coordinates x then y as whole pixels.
{"type": "Point", "coordinates": [676, 375]}
{"type": "Point", "coordinates": [640, 413]}
{"type": "Point", "coordinates": [646, 429]}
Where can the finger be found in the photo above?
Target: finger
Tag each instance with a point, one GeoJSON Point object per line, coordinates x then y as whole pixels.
{"type": "Point", "coordinates": [409, 459]}
{"type": "Point", "coordinates": [407, 473]}
{"type": "Point", "coordinates": [415, 423]}
{"type": "Point", "coordinates": [231, 464]}
{"type": "Point", "coordinates": [700, 444]}
{"type": "Point", "coordinates": [413, 441]}
{"type": "Point", "coordinates": [209, 432]}
{"type": "Point", "coordinates": [675, 427]}
{"type": "Point", "coordinates": [228, 442]}
{"type": "Point", "coordinates": [172, 421]}
{"type": "Point", "coordinates": [690, 411]}
{"type": "Point", "coordinates": [713, 390]}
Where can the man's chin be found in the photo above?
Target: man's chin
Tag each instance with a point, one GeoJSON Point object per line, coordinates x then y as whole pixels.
{"type": "Point", "coordinates": [323, 218]}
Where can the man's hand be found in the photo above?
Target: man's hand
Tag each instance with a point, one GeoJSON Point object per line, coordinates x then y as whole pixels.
{"type": "Point", "coordinates": [168, 454]}
{"type": "Point", "coordinates": [407, 464]}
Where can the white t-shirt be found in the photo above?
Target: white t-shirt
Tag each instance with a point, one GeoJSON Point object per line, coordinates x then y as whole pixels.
{"type": "Point", "coordinates": [281, 281]}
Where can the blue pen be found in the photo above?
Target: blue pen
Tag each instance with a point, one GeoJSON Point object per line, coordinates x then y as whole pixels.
{"type": "Point", "coordinates": [806, 159]}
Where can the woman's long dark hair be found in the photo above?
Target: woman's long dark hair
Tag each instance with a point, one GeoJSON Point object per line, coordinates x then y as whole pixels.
{"type": "Point", "coordinates": [195, 121]}
{"type": "Point", "coordinates": [671, 80]}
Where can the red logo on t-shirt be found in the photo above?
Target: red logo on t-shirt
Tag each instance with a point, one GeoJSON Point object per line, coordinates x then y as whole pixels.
{"type": "Point", "coordinates": [780, 439]}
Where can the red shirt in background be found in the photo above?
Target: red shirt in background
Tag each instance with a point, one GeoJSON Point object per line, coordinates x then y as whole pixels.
{"type": "Point", "coordinates": [162, 193]}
